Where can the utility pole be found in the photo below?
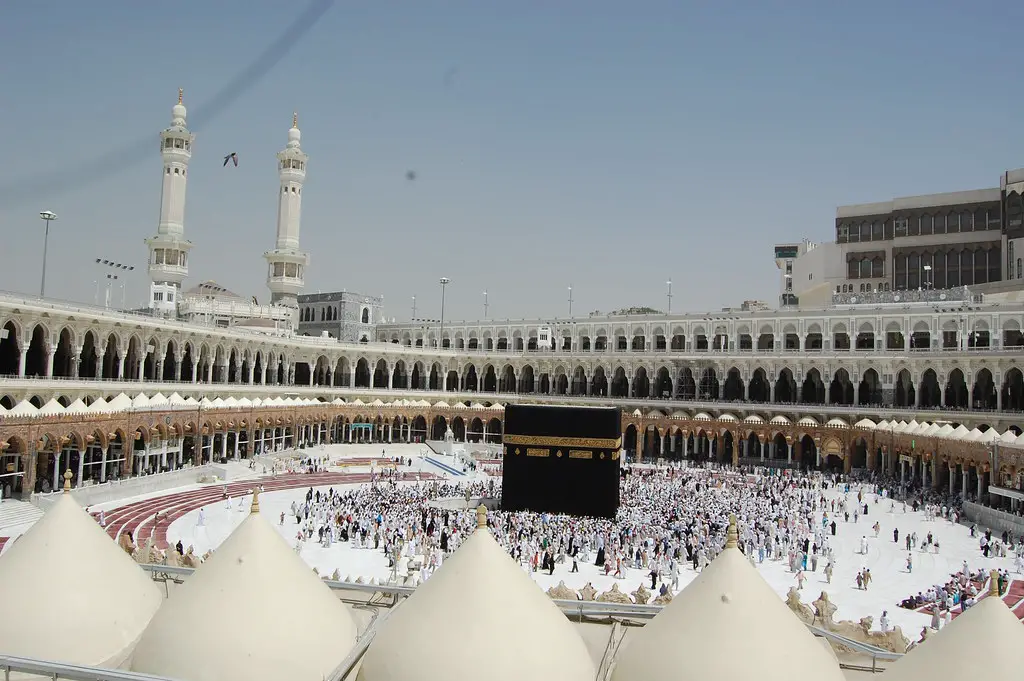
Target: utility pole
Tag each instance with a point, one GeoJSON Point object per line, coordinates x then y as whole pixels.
{"type": "Point", "coordinates": [570, 301]}
{"type": "Point", "coordinates": [669, 282]}
{"type": "Point", "coordinates": [115, 271]}
{"type": "Point", "coordinates": [414, 308]}
{"type": "Point", "coordinates": [440, 338]}
{"type": "Point", "coordinates": [48, 216]}
{"type": "Point", "coordinates": [485, 305]}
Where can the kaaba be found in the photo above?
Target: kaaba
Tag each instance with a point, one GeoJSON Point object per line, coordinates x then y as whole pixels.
{"type": "Point", "coordinates": [561, 460]}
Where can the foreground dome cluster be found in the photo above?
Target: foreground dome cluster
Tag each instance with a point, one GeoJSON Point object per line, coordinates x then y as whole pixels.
{"type": "Point", "coordinates": [254, 611]}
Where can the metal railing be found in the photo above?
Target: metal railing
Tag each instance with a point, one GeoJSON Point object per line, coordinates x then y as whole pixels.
{"type": "Point", "coordinates": [578, 609]}
{"type": "Point", "coordinates": [72, 672]}
{"type": "Point", "coordinates": [296, 341]}
{"type": "Point", "coordinates": [925, 296]}
{"type": "Point", "coordinates": [582, 609]}
{"type": "Point", "coordinates": [667, 405]}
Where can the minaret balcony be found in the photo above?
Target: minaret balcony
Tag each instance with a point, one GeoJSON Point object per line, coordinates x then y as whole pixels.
{"type": "Point", "coordinates": [287, 256]}
{"type": "Point", "coordinates": [286, 284]}
{"type": "Point", "coordinates": [170, 273]}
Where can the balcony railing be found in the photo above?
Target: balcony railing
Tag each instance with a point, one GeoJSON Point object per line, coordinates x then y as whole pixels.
{"type": "Point", "coordinates": [665, 404]}
{"type": "Point", "coordinates": [953, 296]}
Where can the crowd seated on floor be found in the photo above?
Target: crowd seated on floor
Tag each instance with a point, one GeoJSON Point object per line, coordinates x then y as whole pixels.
{"type": "Point", "coordinates": [962, 589]}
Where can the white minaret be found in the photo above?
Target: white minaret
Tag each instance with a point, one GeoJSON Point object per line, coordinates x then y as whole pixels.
{"type": "Point", "coordinates": [168, 250]}
{"type": "Point", "coordinates": [287, 263]}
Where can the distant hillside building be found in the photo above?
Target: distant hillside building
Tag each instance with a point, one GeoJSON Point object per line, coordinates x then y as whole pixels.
{"type": "Point", "coordinates": [927, 244]}
{"type": "Point", "coordinates": [211, 303]}
{"type": "Point", "coordinates": [345, 315]}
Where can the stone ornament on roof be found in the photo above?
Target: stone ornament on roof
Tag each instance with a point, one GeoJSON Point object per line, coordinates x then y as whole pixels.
{"type": "Point", "coordinates": [613, 595]}
{"type": "Point", "coordinates": [563, 593]}
{"type": "Point", "coordinates": [588, 592]}
{"type": "Point", "coordinates": [641, 595]}
{"type": "Point", "coordinates": [663, 599]}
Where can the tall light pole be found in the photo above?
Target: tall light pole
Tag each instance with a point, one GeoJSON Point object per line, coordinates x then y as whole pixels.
{"type": "Point", "coordinates": [669, 283]}
{"type": "Point", "coordinates": [414, 308]}
{"type": "Point", "coordinates": [48, 216]}
{"type": "Point", "coordinates": [485, 305]}
{"type": "Point", "coordinates": [440, 338]}
{"type": "Point", "coordinates": [570, 301]}
{"type": "Point", "coordinates": [927, 277]}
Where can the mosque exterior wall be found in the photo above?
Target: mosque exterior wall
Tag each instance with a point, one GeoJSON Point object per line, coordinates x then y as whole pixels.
{"type": "Point", "coordinates": [791, 393]}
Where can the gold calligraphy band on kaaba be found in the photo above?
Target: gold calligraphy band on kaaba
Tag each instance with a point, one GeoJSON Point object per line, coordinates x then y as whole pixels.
{"type": "Point", "coordinates": [581, 454]}
{"type": "Point", "coordinates": [538, 452]}
{"type": "Point", "coordinates": [544, 441]}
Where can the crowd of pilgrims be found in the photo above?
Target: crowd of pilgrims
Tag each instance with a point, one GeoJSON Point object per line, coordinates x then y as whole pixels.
{"type": "Point", "coordinates": [963, 587]}
{"type": "Point", "coordinates": [669, 519]}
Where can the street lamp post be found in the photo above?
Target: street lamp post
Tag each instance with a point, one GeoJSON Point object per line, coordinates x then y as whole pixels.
{"type": "Point", "coordinates": [669, 283]}
{"type": "Point", "coordinates": [440, 338]}
{"type": "Point", "coordinates": [414, 308]}
{"type": "Point", "coordinates": [111, 267]}
{"type": "Point", "coordinates": [485, 305]}
{"type": "Point", "coordinates": [927, 277]}
{"type": "Point", "coordinates": [48, 216]}
{"type": "Point", "coordinates": [570, 301]}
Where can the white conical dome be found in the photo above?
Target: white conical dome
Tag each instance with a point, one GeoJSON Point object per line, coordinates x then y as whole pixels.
{"type": "Point", "coordinates": [727, 624]}
{"type": "Point", "coordinates": [70, 594]}
{"type": "Point", "coordinates": [988, 633]}
{"type": "Point", "coordinates": [479, 616]}
{"type": "Point", "coordinates": [254, 611]}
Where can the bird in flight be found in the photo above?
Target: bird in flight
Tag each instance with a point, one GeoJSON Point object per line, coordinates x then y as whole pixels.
{"type": "Point", "coordinates": [410, 175]}
{"type": "Point", "coordinates": [231, 157]}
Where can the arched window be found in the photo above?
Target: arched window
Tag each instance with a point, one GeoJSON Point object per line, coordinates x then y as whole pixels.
{"type": "Point", "coordinates": [366, 315]}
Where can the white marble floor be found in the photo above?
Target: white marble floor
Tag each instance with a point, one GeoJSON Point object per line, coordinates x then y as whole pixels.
{"type": "Point", "coordinates": [885, 558]}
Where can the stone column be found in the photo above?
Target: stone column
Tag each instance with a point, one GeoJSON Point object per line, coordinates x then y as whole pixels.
{"type": "Point", "coordinates": [29, 463]}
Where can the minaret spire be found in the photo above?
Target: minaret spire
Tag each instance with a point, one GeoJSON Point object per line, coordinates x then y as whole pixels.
{"type": "Point", "coordinates": [286, 263]}
{"type": "Point", "coordinates": [168, 249]}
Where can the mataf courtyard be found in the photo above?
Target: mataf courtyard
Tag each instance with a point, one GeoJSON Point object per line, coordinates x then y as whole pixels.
{"type": "Point", "coordinates": [247, 567]}
{"type": "Point", "coordinates": [885, 558]}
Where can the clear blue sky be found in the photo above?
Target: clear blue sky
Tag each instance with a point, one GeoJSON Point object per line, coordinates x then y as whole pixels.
{"type": "Point", "coordinates": [610, 145]}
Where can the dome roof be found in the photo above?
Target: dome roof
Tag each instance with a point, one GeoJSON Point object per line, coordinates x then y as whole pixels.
{"type": "Point", "coordinates": [987, 631]}
{"type": "Point", "coordinates": [94, 620]}
{"type": "Point", "coordinates": [253, 588]}
{"type": "Point", "coordinates": [507, 629]}
{"type": "Point", "coordinates": [728, 597]}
